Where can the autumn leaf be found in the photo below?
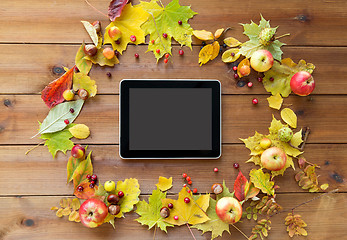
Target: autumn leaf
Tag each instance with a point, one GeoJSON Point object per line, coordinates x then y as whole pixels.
{"type": "Point", "coordinates": [218, 33]}
{"type": "Point", "coordinates": [193, 212]}
{"type": "Point", "coordinates": [255, 43]}
{"type": "Point", "coordinates": [203, 35]}
{"type": "Point", "coordinates": [214, 224]}
{"type": "Point", "coordinates": [129, 24]}
{"type": "Point", "coordinates": [275, 101]}
{"type": "Point", "coordinates": [58, 141]}
{"type": "Point", "coordinates": [244, 62]}
{"type": "Point", "coordinates": [289, 117]}
{"type": "Point", "coordinates": [324, 186]}
{"type": "Point", "coordinates": [250, 190]}
{"type": "Point", "coordinates": [165, 20]}
{"type": "Point", "coordinates": [239, 186]}
{"type": "Point", "coordinates": [164, 183]}
{"type": "Point", "coordinates": [72, 164]}
{"type": "Point", "coordinates": [296, 139]}
{"type": "Point", "coordinates": [262, 181]}
{"type": "Point", "coordinates": [215, 51]}
{"type": "Point", "coordinates": [52, 94]}
{"type": "Point", "coordinates": [81, 80]}
{"type": "Point", "coordinates": [289, 163]}
{"type": "Point", "coordinates": [281, 74]}
{"type": "Point", "coordinates": [295, 225]}
{"type": "Point", "coordinates": [84, 168]}
{"type": "Point", "coordinates": [87, 191]}
{"type": "Point", "coordinates": [100, 59]}
{"type": "Point", "coordinates": [150, 212]}
{"type": "Point", "coordinates": [131, 189]}
{"type": "Point", "coordinates": [80, 131]}
{"type": "Point", "coordinates": [115, 8]}
{"type": "Point", "coordinates": [91, 31]}
{"type": "Point", "coordinates": [232, 42]}
{"type": "Point", "coordinates": [205, 54]}
{"type": "Point", "coordinates": [82, 64]}
{"type": "Point", "coordinates": [231, 55]}
{"type": "Point", "coordinates": [252, 143]}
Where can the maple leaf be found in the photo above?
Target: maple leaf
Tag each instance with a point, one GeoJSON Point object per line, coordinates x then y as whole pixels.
{"type": "Point", "coordinates": [281, 74]}
{"type": "Point", "coordinates": [262, 181]}
{"type": "Point", "coordinates": [100, 59]}
{"type": "Point", "coordinates": [252, 143]}
{"type": "Point", "coordinates": [52, 94]}
{"type": "Point", "coordinates": [58, 141]}
{"type": "Point", "coordinates": [165, 20]}
{"type": "Point", "coordinates": [84, 168]}
{"type": "Point", "coordinates": [131, 189]}
{"type": "Point", "coordinates": [296, 139]}
{"type": "Point", "coordinates": [275, 101]}
{"type": "Point", "coordinates": [150, 212]}
{"type": "Point", "coordinates": [164, 183]}
{"type": "Point", "coordinates": [82, 64]}
{"type": "Point", "coordinates": [225, 193]}
{"type": "Point", "coordinates": [253, 31]}
{"type": "Point", "coordinates": [214, 225]}
{"type": "Point", "coordinates": [129, 24]}
{"type": "Point", "coordinates": [81, 80]}
{"type": "Point", "coordinates": [193, 212]}
{"type": "Point", "coordinates": [115, 8]}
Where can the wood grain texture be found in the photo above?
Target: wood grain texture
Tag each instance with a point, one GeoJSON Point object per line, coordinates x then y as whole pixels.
{"type": "Point", "coordinates": [38, 174]}
{"type": "Point", "coordinates": [31, 68]}
{"type": "Point", "coordinates": [312, 22]}
{"type": "Point", "coordinates": [30, 218]}
{"type": "Point", "coordinates": [324, 114]}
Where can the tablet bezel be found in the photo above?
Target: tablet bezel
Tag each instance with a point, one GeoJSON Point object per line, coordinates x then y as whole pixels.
{"type": "Point", "coordinates": [124, 150]}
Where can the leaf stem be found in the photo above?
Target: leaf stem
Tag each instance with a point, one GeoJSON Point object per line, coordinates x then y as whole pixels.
{"type": "Point", "coordinates": [191, 232]}
{"type": "Point", "coordinates": [284, 35]}
{"type": "Point", "coordinates": [155, 229]}
{"type": "Point", "coordinates": [96, 9]}
{"type": "Point", "coordinates": [156, 28]}
{"type": "Point", "coordinates": [26, 153]}
{"type": "Point", "coordinates": [239, 231]}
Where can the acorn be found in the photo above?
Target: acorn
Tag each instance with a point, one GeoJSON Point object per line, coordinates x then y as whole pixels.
{"type": "Point", "coordinates": [90, 50]}
{"type": "Point", "coordinates": [164, 212]}
{"type": "Point", "coordinates": [114, 209]}
{"type": "Point", "coordinates": [217, 188]}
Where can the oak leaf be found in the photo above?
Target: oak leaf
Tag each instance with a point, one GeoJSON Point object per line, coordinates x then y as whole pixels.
{"type": "Point", "coordinates": [262, 181]}
{"type": "Point", "coordinates": [164, 183]}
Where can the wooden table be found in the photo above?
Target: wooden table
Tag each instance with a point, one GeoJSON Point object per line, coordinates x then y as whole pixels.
{"type": "Point", "coordinates": [38, 37]}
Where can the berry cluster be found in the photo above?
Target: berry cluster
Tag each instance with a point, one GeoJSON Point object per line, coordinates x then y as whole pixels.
{"type": "Point", "coordinates": [189, 182]}
{"type": "Point", "coordinates": [92, 179]}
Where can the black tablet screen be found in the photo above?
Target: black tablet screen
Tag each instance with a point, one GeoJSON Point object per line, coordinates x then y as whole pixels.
{"type": "Point", "coordinates": [170, 119]}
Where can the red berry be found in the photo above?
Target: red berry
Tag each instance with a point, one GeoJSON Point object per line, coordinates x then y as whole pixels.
{"type": "Point", "coordinates": [179, 22]}
{"type": "Point", "coordinates": [234, 68]}
{"type": "Point", "coordinates": [232, 54]}
{"type": "Point", "coordinates": [133, 38]}
{"type": "Point", "coordinates": [260, 79]}
{"type": "Point", "coordinates": [184, 175]}
{"type": "Point", "coordinates": [166, 60]}
{"type": "Point", "coordinates": [80, 188]}
{"type": "Point", "coordinates": [91, 185]}
{"type": "Point", "coordinates": [92, 182]}
{"type": "Point", "coordinates": [184, 185]}
{"type": "Point", "coordinates": [117, 42]}
{"type": "Point", "coordinates": [157, 51]}
{"type": "Point", "coordinates": [66, 121]}
{"type": "Point", "coordinates": [187, 200]}
{"type": "Point", "coordinates": [137, 55]}
{"type": "Point", "coordinates": [180, 52]}
{"type": "Point", "coordinates": [188, 178]}
{"type": "Point", "coordinates": [152, 41]}
{"type": "Point", "coordinates": [167, 55]}
{"type": "Point", "coordinates": [195, 190]}
{"type": "Point", "coordinates": [120, 194]}
{"type": "Point", "coordinates": [176, 217]}
{"type": "Point", "coordinates": [236, 165]}
{"type": "Point", "coordinates": [164, 35]}
{"type": "Point", "coordinates": [94, 177]}
{"type": "Point", "coordinates": [116, 53]}
{"type": "Point", "coordinates": [236, 76]}
{"type": "Point", "coordinates": [72, 110]}
{"type": "Point", "coordinates": [215, 169]}
{"type": "Point", "coordinates": [249, 84]}
{"type": "Point", "coordinates": [188, 191]}
{"type": "Point", "coordinates": [170, 205]}
{"type": "Point", "coordinates": [271, 79]}
{"type": "Point", "coordinates": [255, 101]}
{"type": "Point", "coordinates": [190, 182]}
{"type": "Point", "coordinates": [88, 177]}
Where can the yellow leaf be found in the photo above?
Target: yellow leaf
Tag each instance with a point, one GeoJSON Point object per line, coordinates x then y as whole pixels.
{"type": "Point", "coordinates": [59, 213]}
{"type": "Point", "coordinates": [100, 59]}
{"type": "Point", "coordinates": [78, 219]}
{"type": "Point", "coordinates": [75, 204]}
{"type": "Point", "coordinates": [262, 181]}
{"type": "Point", "coordinates": [232, 42]}
{"type": "Point", "coordinates": [54, 208]}
{"type": "Point", "coordinates": [193, 212]}
{"type": "Point", "coordinates": [81, 80]}
{"type": "Point", "coordinates": [230, 55]}
{"type": "Point", "coordinates": [244, 62]}
{"type": "Point", "coordinates": [203, 35]}
{"type": "Point", "coordinates": [80, 131]}
{"type": "Point", "coordinates": [275, 101]}
{"type": "Point", "coordinates": [216, 48]}
{"type": "Point", "coordinates": [205, 54]}
{"type": "Point", "coordinates": [131, 189]}
{"type": "Point", "coordinates": [296, 139]}
{"type": "Point", "coordinates": [289, 117]}
{"type": "Point", "coordinates": [63, 202]}
{"type": "Point", "coordinates": [91, 31]}
{"type": "Point", "coordinates": [73, 216]}
{"type": "Point", "coordinates": [218, 33]}
{"type": "Point", "coordinates": [66, 211]}
{"type": "Point", "coordinates": [324, 186]}
{"type": "Point", "coordinates": [164, 183]}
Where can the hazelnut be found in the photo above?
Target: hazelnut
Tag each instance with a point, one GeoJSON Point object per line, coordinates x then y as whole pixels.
{"type": "Point", "coordinates": [97, 26]}
{"type": "Point", "coordinates": [164, 212]}
{"type": "Point", "coordinates": [83, 94]}
{"type": "Point", "coordinates": [90, 50]}
{"type": "Point", "coordinates": [217, 188]}
{"type": "Point", "coordinates": [113, 198]}
{"type": "Point", "coordinates": [114, 209]}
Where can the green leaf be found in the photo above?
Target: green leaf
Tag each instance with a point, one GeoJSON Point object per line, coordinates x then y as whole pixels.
{"type": "Point", "coordinates": [100, 59]}
{"type": "Point", "coordinates": [58, 141]}
{"type": "Point", "coordinates": [225, 193]}
{"type": "Point", "coordinates": [150, 212]}
{"type": "Point", "coordinates": [131, 189]}
{"type": "Point", "coordinates": [91, 31]}
{"type": "Point", "coordinates": [84, 168]}
{"type": "Point", "coordinates": [214, 225]}
{"type": "Point", "coordinates": [164, 20]}
{"type": "Point", "coordinates": [54, 121]}
{"type": "Point", "coordinates": [72, 164]}
{"type": "Point", "coordinates": [82, 64]}
{"type": "Point", "coordinates": [81, 80]}
{"type": "Point", "coordinates": [262, 181]}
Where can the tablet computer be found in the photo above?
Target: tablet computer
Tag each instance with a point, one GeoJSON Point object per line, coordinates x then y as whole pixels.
{"type": "Point", "coordinates": [170, 119]}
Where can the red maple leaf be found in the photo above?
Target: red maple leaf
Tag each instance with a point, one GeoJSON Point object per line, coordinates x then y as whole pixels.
{"type": "Point", "coordinates": [52, 94]}
{"type": "Point", "coordinates": [239, 186]}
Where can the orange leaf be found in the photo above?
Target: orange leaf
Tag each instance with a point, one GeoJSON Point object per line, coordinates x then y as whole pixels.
{"type": "Point", "coordinates": [239, 186]}
{"type": "Point", "coordinates": [72, 164]}
{"type": "Point", "coordinates": [218, 33]}
{"type": "Point", "coordinates": [52, 94]}
{"type": "Point", "coordinates": [87, 191]}
{"type": "Point", "coordinates": [216, 48]}
{"type": "Point", "coordinates": [82, 170]}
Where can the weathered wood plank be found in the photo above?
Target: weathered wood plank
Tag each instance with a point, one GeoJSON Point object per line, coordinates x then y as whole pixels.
{"type": "Point", "coordinates": [31, 68]}
{"type": "Point", "coordinates": [30, 218]}
{"type": "Point", "coordinates": [324, 114]}
{"type": "Point", "coordinates": [310, 22]}
{"type": "Point", "coordinates": [38, 174]}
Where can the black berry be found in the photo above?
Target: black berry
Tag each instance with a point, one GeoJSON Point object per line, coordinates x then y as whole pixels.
{"type": "Point", "coordinates": [109, 74]}
{"type": "Point", "coordinates": [72, 110]}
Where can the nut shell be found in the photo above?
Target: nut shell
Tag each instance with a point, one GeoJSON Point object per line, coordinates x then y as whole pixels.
{"type": "Point", "coordinates": [113, 198]}
{"type": "Point", "coordinates": [97, 26]}
{"type": "Point", "coordinates": [217, 188]}
{"type": "Point", "coordinates": [114, 209]}
{"type": "Point", "coordinates": [90, 50]}
{"type": "Point", "coordinates": [83, 94]}
{"type": "Point", "coordinates": [164, 212]}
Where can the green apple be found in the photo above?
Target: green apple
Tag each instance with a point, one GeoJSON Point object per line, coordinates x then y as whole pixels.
{"type": "Point", "coordinates": [262, 60]}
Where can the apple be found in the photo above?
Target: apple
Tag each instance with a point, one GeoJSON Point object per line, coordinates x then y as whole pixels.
{"type": "Point", "coordinates": [114, 33]}
{"type": "Point", "coordinates": [108, 53]}
{"type": "Point", "coordinates": [273, 159]}
{"type": "Point", "coordinates": [245, 70]}
{"type": "Point", "coordinates": [110, 186]}
{"type": "Point", "coordinates": [262, 60]}
{"type": "Point", "coordinates": [93, 212]}
{"type": "Point", "coordinates": [265, 143]}
{"type": "Point", "coordinates": [229, 210]}
{"type": "Point", "coordinates": [78, 151]}
{"type": "Point", "coordinates": [68, 95]}
{"type": "Point", "coordinates": [302, 83]}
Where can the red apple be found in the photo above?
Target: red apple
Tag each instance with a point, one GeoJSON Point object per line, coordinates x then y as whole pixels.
{"type": "Point", "coordinates": [302, 83]}
{"type": "Point", "coordinates": [114, 33]}
{"type": "Point", "coordinates": [262, 60]}
{"type": "Point", "coordinates": [78, 151]}
{"type": "Point", "coordinates": [229, 210]}
{"type": "Point", "coordinates": [93, 212]}
{"type": "Point", "coordinates": [273, 159]}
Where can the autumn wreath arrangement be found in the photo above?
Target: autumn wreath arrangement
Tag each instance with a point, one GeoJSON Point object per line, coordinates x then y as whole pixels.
{"type": "Point", "coordinates": [252, 198]}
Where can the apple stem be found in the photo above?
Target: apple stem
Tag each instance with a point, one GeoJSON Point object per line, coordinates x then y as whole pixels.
{"type": "Point", "coordinates": [284, 35]}
{"type": "Point", "coordinates": [240, 231]}
{"type": "Point", "coordinates": [26, 153]}
{"type": "Point", "coordinates": [190, 231]}
{"type": "Point", "coordinates": [96, 9]}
